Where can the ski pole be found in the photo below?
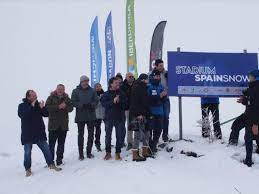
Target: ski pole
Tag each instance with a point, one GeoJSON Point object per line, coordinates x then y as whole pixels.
{"type": "Point", "coordinates": [228, 121]}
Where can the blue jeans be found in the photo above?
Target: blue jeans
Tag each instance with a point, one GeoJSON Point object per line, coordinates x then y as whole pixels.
{"type": "Point", "coordinates": [118, 124]}
{"type": "Point", "coordinates": [43, 145]}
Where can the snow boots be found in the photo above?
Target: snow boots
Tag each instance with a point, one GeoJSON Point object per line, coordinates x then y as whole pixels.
{"type": "Point", "coordinates": [118, 157]}
{"type": "Point", "coordinates": [98, 147]}
{"type": "Point", "coordinates": [136, 157]}
{"type": "Point", "coordinates": [146, 152]}
{"type": "Point", "coordinates": [248, 163]}
{"type": "Point", "coordinates": [28, 173]}
{"type": "Point", "coordinates": [108, 156]}
{"type": "Point", "coordinates": [54, 167]}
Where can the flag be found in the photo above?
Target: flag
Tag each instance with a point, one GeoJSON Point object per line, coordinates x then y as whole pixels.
{"type": "Point", "coordinates": [95, 54]}
{"type": "Point", "coordinates": [110, 49]}
{"type": "Point", "coordinates": [156, 49]}
{"type": "Point", "coordinates": [130, 34]}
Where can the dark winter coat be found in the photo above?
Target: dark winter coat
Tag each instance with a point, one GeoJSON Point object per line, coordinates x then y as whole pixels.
{"type": "Point", "coordinates": [85, 102]}
{"type": "Point", "coordinates": [32, 125]}
{"type": "Point", "coordinates": [126, 88]}
{"type": "Point", "coordinates": [114, 111]}
{"type": "Point", "coordinates": [156, 102]}
{"type": "Point", "coordinates": [58, 118]}
{"type": "Point", "coordinates": [139, 99]}
{"type": "Point", "coordinates": [251, 100]}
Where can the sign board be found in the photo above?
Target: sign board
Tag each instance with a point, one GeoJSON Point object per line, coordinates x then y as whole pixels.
{"type": "Point", "coordinates": [200, 74]}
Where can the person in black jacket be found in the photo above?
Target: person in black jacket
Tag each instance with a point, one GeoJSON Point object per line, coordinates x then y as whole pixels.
{"type": "Point", "coordinates": [251, 101]}
{"type": "Point", "coordinates": [127, 88]}
{"type": "Point", "coordinates": [139, 111]}
{"type": "Point", "coordinates": [33, 130]}
{"type": "Point", "coordinates": [114, 102]}
{"type": "Point", "coordinates": [85, 100]}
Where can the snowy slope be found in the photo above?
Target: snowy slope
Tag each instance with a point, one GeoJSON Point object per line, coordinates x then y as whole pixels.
{"type": "Point", "coordinates": [43, 43]}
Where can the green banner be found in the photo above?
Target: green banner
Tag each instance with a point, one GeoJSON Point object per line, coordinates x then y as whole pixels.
{"type": "Point", "coordinates": [130, 33]}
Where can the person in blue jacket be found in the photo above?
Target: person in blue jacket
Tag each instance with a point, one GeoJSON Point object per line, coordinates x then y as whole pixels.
{"type": "Point", "coordinates": [211, 105]}
{"type": "Point", "coordinates": [33, 130]}
{"type": "Point", "coordinates": [114, 102]}
{"type": "Point", "coordinates": [157, 95]}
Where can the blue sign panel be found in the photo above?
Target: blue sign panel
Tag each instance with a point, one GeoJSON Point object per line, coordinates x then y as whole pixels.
{"type": "Point", "coordinates": [209, 74]}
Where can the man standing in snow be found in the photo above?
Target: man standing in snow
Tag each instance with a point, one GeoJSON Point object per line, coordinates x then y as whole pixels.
{"type": "Point", "coordinates": [114, 101]}
{"type": "Point", "coordinates": [33, 130]}
{"type": "Point", "coordinates": [139, 111]}
{"type": "Point", "coordinates": [159, 65]}
{"type": "Point", "coordinates": [157, 95]}
{"type": "Point", "coordinates": [85, 100]}
{"type": "Point", "coordinates": [58, 105]}
{"type": "Point", "coordinates": [126, 88]}
{"type": "Point", "coordinates": [251, 101]}
{"type": "Point", "coordinates": [210, 104]}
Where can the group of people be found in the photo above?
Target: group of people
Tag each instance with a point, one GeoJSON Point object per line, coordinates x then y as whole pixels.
{"type": "Point", "coordinates": [138, 109]}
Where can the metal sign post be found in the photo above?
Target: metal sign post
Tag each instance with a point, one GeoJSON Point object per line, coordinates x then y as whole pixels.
{"type": "Point", "coordinates": [180, 111]}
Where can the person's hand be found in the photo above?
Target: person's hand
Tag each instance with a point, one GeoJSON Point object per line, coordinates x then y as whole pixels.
{"type": "Point", "coordinates": [62, 105]}
{"type": "Point", "coordinates": [140, 118]}
{"type": "Point", "coordinates": [116, 99]}
{"type": "Point", "coordinates": [42, 104]}
{"type": "Point", "coordinates": [33, 103]}
{"type": "Point", "coordinates": [163, 94]}
{"type": "Point", "coordinates": [255, 129]}
{"type": "Point", "coordinates": [240, 99]}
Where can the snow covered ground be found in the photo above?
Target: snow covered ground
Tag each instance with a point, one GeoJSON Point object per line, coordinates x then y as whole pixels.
{"type": "Point", "coordinates": [43, 43]}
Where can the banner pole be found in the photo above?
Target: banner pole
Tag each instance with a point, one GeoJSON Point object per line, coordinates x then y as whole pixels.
{"type": "Point", "coordinates": [180, 111]}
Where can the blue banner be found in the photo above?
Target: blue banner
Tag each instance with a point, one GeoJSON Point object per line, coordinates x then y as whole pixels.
{"type": "Point", "coordinates": [110, 49]}
{"type": "Point", "coordinates": [95, 54]}
{"type": "Point", "coordinates": [209, 74]}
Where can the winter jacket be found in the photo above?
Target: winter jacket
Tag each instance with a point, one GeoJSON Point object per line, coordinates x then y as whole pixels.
{"type": "Point", "coordinates": [114, 111]}
{"type": "Point", "coordinates": [126, 88]}
{"type": "Point", "coordinates": [251, 100]}
{"type": "Point", "coordinates": [85, 102]}
{"type": "Point", "coordinates": [139, 100]}
{"type": "Point", "coordinates": [32, 125]}
{"type": "Point", "coordinates": [99, 111]}
{"type": "Point", "coordinates": [156, 103]}
{"type": "Point", "coordinates": [58, 118]}
{"type": "Point", "coordinates": [164, 80]}
{"type": "Point", "coordinates": [209, 100]}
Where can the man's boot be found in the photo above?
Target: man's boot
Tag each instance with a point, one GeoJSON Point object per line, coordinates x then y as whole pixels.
{"type": "Point", "coordinates": [118, 157]}
{"type": "Point", "coordinates": [98, 147]}
{"type": "Point", "coordinates": [81, 154]}
{"type": "Point", "coordinates": [146, 152]}
{"type": "Point", "coordinates": [28, 173]}
{"type": "Point", "coordinates": [108, 156]}
{"type": "Point", "coordinates": [137, 157]}
{"type": "Point", "coordinates": [54, 167]}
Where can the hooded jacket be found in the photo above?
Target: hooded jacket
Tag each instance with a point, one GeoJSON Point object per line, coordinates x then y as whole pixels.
{"type": "Point", "coordinates": [154, 90]}
{"type": "Point", "coordinates": [139, 100]}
